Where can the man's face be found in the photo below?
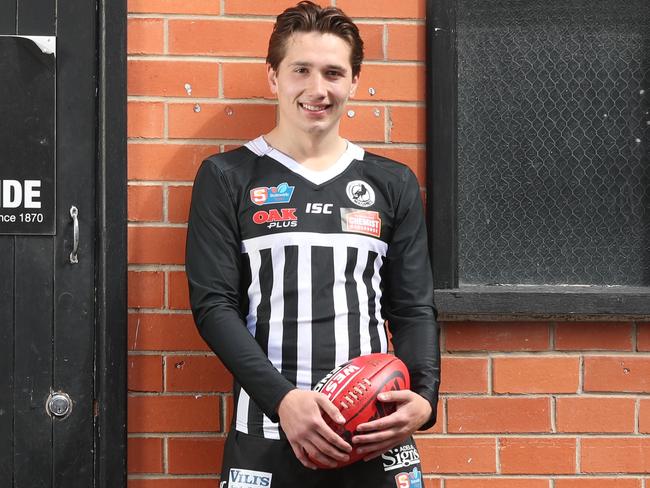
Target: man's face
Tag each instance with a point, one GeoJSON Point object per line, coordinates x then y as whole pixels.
{"type": "Point", "coordinates": [313, 82]}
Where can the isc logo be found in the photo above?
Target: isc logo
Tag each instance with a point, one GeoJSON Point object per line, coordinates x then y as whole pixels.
{"type": "Point", "coordinates": [319, 208]}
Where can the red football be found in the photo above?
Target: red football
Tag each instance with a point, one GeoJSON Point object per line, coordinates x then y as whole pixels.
{"type": "Point", "coordinates": [353, 387]}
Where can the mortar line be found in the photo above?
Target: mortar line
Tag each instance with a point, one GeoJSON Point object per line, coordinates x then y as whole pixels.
{"type": "Point", "coordinates": [497, 454]}
{"type": "Point", "coordinates": [385, 41]}
{"type": "Point", "coordinates": [165, 203]}
{"type": "Point", "coordinates": [553, 414]}
{"type": "Point", "coordinates": [166, 455]}
{"type": "Point", "coordinates": [166, 292]}
{"type": "Point", "coordinates": [220, 74]}
{"type": "Point", "coordinates": [490, 374]}
{"type": "Point", "coordinates": [165, 121]}
{"type": "Point", "coordinates": [165, 36]}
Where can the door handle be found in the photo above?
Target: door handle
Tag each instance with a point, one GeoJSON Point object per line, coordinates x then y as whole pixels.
{"type": "Point", "coordinates": [74, 212]}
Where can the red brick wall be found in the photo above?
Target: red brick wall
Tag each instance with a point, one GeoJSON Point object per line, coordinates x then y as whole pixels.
{"type": "Point", "coordinates": [525, 404]}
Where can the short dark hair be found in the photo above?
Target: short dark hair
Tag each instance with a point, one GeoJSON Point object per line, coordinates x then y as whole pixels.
{"type": "Point", "coordinates": [309, 17]}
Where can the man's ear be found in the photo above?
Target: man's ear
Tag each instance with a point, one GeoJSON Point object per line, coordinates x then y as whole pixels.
{"type": "Point", "coordinates": [355, 84]}
{"type": "Point", "coordinates": [271, 76]}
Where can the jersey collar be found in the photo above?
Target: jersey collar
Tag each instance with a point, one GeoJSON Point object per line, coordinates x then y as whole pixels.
{"type": "Point", "coordinates": [261, 148]}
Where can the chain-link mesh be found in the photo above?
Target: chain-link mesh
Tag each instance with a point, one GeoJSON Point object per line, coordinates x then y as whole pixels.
{"type": "Point", "coordinates": [553, 128]}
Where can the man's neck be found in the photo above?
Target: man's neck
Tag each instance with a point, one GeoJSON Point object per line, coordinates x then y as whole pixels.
{"type": "Point", "coordinates": [314, 151]}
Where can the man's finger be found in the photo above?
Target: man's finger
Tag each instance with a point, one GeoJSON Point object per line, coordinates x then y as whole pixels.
{"type": "Point", "coordinates": [375, 454]}
{"type": "Point", "coordinates": [334, 439]}
{"type": "Point", "coordinates": [302, 456]}
{"type": "Point", "coordinates": [330, 409]}
{"type": "Point", "coordinates": [324, 446]}
{"type": "Point", "coordinates": [397, 396]}
{"type": "Point", "coordinates": [315, 454]}
{"type": "Point", "coordinates": [374, 450]}
{"type": "Point", "coordinates": [326, 431]}
{"type": "Point", "coordinates": [380, 436]}
{"type": "Point", "coordinates": [383, 423]}
{"type": "Point", "coordinates": [338, 442]}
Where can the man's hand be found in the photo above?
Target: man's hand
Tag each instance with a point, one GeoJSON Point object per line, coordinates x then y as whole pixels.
{"type": "Point", "coordinates": [380, 435]}
{"type": "Point", "coordinates": [302, 415]}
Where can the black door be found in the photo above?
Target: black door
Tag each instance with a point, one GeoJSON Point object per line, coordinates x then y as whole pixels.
{"type": "Point", "coordinates": [48, 301]}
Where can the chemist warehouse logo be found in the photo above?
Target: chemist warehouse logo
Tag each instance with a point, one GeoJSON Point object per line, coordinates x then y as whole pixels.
{"type": "Point", "coordinates": [361, 221]}
{"type": "Point", "coordinates": [246, 478]}
{"type": "Point", "coordinates": [268, 195]}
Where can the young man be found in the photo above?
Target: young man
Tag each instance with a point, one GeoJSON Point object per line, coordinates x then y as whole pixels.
{"type": "Point", "coordinates": [300, 245]}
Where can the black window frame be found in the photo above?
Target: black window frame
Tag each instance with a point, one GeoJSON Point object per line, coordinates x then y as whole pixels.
{"type": "Point", "coordinates": [452, 299]}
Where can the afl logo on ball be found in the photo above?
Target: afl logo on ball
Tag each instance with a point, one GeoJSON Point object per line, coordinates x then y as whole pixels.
{"type": "Point", "coordinates": [361, 193]}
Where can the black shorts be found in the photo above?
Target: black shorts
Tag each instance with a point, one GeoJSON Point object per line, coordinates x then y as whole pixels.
{"type": "Point", "coordinates": [255, 462]}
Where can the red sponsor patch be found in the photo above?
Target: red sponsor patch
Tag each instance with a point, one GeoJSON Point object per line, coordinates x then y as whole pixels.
{"type": "Point", "coordinates": [361, 221]}
{"type": "Point", "coordinates": [267, 195]}
{"type": "Point", "coordinates": [274, 215]}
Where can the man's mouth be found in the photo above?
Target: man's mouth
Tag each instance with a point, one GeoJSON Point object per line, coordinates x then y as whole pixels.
{"type": "Point", "coordinates": [314, 108]}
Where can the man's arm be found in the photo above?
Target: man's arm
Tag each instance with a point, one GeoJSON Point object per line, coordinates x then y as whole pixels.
{"type": "Point", "coordinates": [408, 306]}
{"type": "Point", "coordinates": [214, 267]}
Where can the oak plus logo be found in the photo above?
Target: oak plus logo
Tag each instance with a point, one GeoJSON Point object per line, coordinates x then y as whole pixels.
{"type": "Point", "coordinates": [360, 193]}
{"type": "Point", "coordinates": [246, 478]}
{"type": "Point", "coordinates": [276, 218]}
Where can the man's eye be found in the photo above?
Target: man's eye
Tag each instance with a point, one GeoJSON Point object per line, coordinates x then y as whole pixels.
{"type": "Point", "coordinates": [334, 73]}
{"type": "Point", "coordinates": [301, 70]}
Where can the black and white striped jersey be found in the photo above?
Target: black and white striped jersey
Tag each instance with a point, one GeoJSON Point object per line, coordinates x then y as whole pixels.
{"type": "Point", "coordinates": [293, 272]}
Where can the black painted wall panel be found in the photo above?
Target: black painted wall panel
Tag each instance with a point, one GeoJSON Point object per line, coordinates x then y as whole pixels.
{"type": "Point", "coordinates": [36, 17]}
{"type": "Point", "coordinates": [8, 17]}
{"type": "Point", "coordinates": [33, 361]}
{"type": "Point", "coordinates": [6, 359]}
{"type": "Point", "coordinates": [74, 290]}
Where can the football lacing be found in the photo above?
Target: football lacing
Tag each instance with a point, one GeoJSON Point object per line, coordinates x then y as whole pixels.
{"type": "Point", "coordinates": [356, 392]}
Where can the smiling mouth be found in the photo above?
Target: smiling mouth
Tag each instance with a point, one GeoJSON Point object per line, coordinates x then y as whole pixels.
{"type": "Point", "coordinates": [314, 108]}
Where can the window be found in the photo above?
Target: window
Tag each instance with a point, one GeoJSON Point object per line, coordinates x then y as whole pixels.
{"type": "Point", "coordinates": [539, 167]}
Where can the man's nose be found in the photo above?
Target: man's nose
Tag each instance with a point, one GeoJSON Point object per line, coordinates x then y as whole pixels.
{"type": "Point", "coordinates": [317, 85]}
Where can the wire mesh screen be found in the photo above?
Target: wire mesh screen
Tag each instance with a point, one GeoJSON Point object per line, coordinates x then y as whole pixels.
{"type": "Point", "coordinates": [553, 126]}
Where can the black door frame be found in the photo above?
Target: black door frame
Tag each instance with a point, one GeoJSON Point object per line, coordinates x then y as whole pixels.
{"type": "Point", "coordinates": [111, 250]}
